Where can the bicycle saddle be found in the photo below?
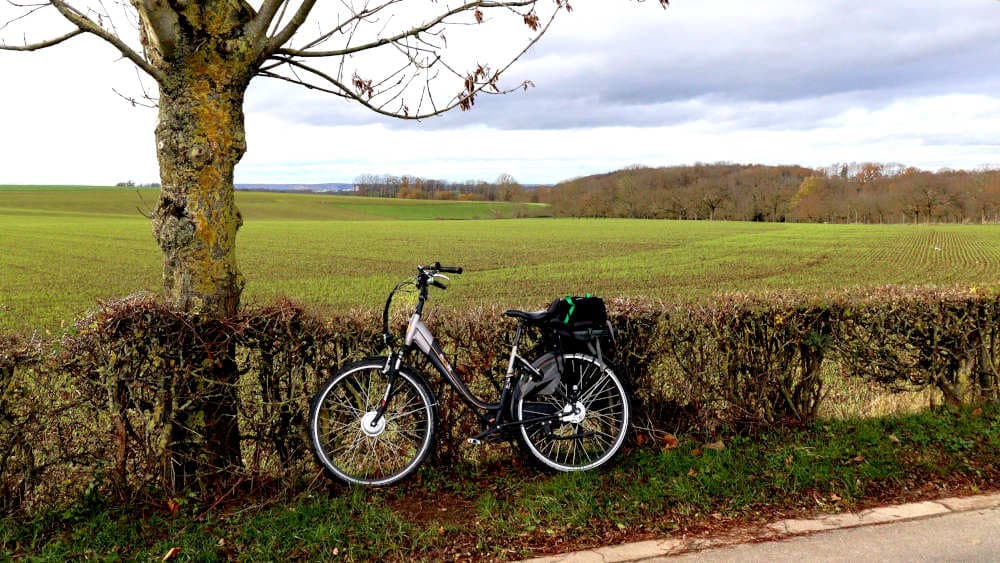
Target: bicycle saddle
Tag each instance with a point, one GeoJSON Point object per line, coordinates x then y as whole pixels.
{"type": "Point", "coordinates": [530, 316]}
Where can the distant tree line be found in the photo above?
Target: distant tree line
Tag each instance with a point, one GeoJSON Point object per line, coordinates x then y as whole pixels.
{"type": "Point", "coordinates": [505, 188]}
{"type": "Point", "coordinates": [845, 193]}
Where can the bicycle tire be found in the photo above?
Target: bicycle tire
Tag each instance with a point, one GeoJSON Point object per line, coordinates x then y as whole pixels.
{"type": "Point", "coordinates": [353, 451]}
{"type": "Point", "coordinates": [578, 441]}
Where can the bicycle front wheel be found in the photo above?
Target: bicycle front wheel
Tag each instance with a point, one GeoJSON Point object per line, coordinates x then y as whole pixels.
{"type": "Point", "coordinates": [354, 445]}
{"type": "Point", "coordinates": [576, 430]}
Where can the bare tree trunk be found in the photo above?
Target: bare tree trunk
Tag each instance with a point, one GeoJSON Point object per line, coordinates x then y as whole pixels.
{"type": "Point", "coordinates": [200, 139]}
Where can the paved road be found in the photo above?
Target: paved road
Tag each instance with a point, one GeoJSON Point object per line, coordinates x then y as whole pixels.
{"type": "Point", "coordinates": [964, 536]}
{"type": "Point", "coordinates": [951, 529]}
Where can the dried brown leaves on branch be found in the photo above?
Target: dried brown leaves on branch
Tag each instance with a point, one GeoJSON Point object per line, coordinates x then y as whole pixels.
{"type": "Point", "coordinates": [319, 46]}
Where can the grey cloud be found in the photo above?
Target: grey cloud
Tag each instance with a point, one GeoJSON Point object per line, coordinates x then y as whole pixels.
{"type": "Point", "coordinates": [908, 55]}
{"type": "Point", "coordinates": [790, 72]}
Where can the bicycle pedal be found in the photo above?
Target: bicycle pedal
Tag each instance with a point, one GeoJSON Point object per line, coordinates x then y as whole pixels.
{"type": "Point", "coordinates": [490, 435]}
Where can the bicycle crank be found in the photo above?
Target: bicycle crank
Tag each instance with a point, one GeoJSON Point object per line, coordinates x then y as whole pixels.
{"type": "Point", "coordinates": [491, 435]}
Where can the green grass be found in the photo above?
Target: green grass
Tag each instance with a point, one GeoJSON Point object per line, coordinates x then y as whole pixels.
{"type": "Point", "coordinates": [61, 250]}
{"type": "Point", "coordinates": [509, 511]}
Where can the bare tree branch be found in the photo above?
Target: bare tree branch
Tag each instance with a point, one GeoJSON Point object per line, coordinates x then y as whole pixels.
{"type": "Point", "coordinates": [344, 91]}
{"type": "Point", "coordinates": [367, 12]}
{"type": "Point", "coordinates": [300, 82]}
{"type": "Point", "coordinates": [159, 18]}
{"type": "Point", "coordinates": [32, 8]}
{"type": "Point", "coordinates": [87, 25]}
{"type": "Point", "coordinates": [419, 53]}
{"type": "Point", "coordinates": [133, 101]}
{"type": "Point", "coordinates": [413, 32]}
{"type": "Point", "coordinates": [289, 30]}
{"type": "Point", "coordinates": [479, 81]}
{"type": "Point", "coordinates": [262, 21]}
{"type": "Point", "coordinates": [41, 44]}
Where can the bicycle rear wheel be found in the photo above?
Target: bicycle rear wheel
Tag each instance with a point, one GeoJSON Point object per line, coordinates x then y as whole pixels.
{"type": "Point", "coordinates": [576, 435]}
{"type": "Point", "coordinates": [357, 449]}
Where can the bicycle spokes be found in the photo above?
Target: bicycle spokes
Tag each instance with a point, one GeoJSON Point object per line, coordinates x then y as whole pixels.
{"type": "Point", "coordinates": [580, 425]}
{"type": "Point", "coordinates": [360, 445]}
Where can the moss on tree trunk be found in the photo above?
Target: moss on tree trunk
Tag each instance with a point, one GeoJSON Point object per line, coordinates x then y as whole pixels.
{"type": "Point", "coordinates": [199, 139]}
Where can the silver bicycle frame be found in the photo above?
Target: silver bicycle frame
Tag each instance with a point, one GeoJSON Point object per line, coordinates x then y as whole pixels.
{"type": "Point", "coordinates": [417, 334]}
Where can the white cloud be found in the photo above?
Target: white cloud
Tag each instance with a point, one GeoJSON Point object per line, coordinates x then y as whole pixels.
{"type": "Point", "coordinates": [771, 82]}
{"type": "Point", "coordinates": [61, 122]}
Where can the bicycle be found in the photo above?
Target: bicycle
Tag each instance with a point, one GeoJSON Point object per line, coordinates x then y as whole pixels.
{"type": "Point", "coordinates": [373, 422]}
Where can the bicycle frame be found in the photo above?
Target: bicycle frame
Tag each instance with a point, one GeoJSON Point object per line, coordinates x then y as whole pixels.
{"type": "Point", "coordinates": [419, 337]}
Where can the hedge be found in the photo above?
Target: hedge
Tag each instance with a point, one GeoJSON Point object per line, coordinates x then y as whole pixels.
{"type": "Point", "coordinates": [92, 411]}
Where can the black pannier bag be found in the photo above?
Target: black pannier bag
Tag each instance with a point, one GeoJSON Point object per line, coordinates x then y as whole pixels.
{"type": "Point", "coordinates": [571, 325]}
{"type": "Point", "coordinates": [577, 324]}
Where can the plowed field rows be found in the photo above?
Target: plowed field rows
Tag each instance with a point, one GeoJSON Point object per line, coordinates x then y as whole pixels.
{"type": "Point", "coordinates": [59, 256]}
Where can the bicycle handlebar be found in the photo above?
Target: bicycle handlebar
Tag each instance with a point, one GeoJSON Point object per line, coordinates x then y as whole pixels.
{"type": "Point", "coordinates": [437, 267]}
{"type": "Point", "coordinates": [425, 277]}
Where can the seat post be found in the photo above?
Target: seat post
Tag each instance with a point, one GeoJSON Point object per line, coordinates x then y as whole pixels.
{"type": "Point", "coordinates": [518, 333]}
{"type": "Point", "coordinates": [513, 351]}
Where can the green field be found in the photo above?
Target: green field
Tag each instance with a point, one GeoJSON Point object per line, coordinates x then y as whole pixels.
{"type": "Point", "coordinates": [64, 248]}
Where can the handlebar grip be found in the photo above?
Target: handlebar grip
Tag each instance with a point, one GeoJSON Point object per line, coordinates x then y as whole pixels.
{"type": "Point", "coordinates": [438, 284]}
{"type": "Point", "coordinates": [447, 269]}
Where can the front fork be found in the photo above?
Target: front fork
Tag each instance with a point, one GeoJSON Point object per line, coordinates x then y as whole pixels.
{"type": "Point", "coordinates": [391, 371]}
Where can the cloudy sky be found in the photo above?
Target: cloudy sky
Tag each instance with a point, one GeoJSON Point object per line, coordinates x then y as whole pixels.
{"type": "Point", "coordinates": [616, 83]}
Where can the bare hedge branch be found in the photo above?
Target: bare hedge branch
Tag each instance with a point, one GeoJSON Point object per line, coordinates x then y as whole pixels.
{"type": "Point", "coordinates": [93, 409]}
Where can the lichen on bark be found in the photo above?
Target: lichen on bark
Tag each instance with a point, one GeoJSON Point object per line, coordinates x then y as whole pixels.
{"type": "Point", "coordinates": [206, 64]}
{"type": "Point", "coordinates": [200, 139]}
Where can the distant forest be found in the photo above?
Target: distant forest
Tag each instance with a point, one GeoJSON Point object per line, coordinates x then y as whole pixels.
{"type": "Point", "coordinates": [505, 188]}
{"type": "Point", "coordinates": [846, 193]}
{"type": "Point", "coordinates": [849, 193]}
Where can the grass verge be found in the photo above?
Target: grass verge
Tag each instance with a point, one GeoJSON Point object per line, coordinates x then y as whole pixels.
{"type": "Point", "coordinates": [505, 510]}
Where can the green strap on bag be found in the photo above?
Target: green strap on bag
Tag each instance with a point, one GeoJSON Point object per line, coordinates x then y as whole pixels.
{"type": "Point", "coordinates": [572, 307]}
